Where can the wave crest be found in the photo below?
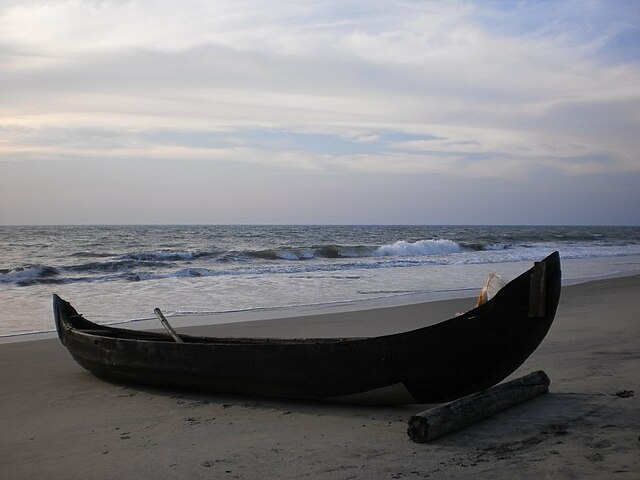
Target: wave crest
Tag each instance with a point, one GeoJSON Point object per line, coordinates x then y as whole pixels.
{"type": "Point", "coordinates": [167, 256]}
{"type": "Point", "coordinates": [29, 275]}
{"type": "Point", "coordinates": [421, 247]}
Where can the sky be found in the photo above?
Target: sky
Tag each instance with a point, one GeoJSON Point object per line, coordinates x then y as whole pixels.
{"type": "Point", "coordinates": [332, 112]}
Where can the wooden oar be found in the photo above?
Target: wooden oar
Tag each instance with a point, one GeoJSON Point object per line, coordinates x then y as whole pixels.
{"type": "Point", "coordinates": [167, 326]}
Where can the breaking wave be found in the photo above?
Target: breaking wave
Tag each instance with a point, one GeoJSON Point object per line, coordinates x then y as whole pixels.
{"type": "Point", "coordinates": [293, 250]}
{"type": "Point", "coordinates": [329, 251]}
{"type": "Point", "coordinates": [421, 247]}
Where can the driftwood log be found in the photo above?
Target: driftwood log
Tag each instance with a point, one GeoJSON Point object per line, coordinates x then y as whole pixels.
{"type": "Point", "coordinates": [464, 411]}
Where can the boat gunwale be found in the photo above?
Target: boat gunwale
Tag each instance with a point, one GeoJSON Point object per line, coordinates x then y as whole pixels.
{"type": "Point", "coordinates": [205, 340]}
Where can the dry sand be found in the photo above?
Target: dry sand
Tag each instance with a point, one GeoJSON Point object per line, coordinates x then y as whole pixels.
{"type": "Point", "coordinates": [59, 421]}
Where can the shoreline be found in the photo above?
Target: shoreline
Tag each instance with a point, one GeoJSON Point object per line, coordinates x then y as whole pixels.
{"type": "Point", "coordinates": [28, 309]}
{"type": "Point", "coordinates": [59, 421]}
{"type": "Point", "coordinates": [188, 320]}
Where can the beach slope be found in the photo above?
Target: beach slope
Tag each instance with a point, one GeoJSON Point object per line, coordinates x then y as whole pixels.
{"type": "Point", "coordinates": [59, 421]}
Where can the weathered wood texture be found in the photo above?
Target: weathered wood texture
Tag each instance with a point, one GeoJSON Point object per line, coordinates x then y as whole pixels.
{"type": "Point", "coordinates": [445, 418]}
{"type": "Point", "coordinates": [538, 293]}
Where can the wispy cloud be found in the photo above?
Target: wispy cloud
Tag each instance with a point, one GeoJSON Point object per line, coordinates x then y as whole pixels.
{"type": "Point", "coordinates": [395, 87]}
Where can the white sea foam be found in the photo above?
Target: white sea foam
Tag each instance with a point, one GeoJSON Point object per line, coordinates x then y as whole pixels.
{"type": "Point", "coordinates": [421, 247]}
{"type": "Point", "coordinates": [163, 255]}
{"type": "Point", "coordinates": [286, 255]}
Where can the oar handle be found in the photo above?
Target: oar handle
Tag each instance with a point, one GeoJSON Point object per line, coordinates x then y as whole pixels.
{"type": "Point", "coordinates": [167, 326]}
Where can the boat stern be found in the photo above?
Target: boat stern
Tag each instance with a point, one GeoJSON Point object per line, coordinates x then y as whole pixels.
{"type": "Point", "coordinates": [57, 316]}
{"type": "Point", "coordinates": [66, 317]}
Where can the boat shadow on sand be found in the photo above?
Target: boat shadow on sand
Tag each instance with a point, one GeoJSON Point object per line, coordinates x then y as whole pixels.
{"type": "Point", "coordinates": [582, 426]}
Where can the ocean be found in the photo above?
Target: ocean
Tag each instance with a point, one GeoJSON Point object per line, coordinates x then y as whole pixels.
{"type": "Point", "coordinates": [120, 273]}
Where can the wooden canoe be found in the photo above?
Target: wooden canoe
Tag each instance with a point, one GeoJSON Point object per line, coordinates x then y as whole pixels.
{"type": "Point", "coordinates": [437, 363]}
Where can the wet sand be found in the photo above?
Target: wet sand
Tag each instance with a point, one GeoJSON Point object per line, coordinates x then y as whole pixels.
{"type": "Point", "coordinates": [59, 421]}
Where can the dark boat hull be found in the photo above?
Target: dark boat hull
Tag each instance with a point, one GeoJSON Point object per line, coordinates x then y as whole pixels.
{"type": "Point", "coordinates": [437, 363]}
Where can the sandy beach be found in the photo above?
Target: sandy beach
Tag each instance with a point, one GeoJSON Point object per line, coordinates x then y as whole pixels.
{"type": "Point", "coordinates": [59, 421]}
